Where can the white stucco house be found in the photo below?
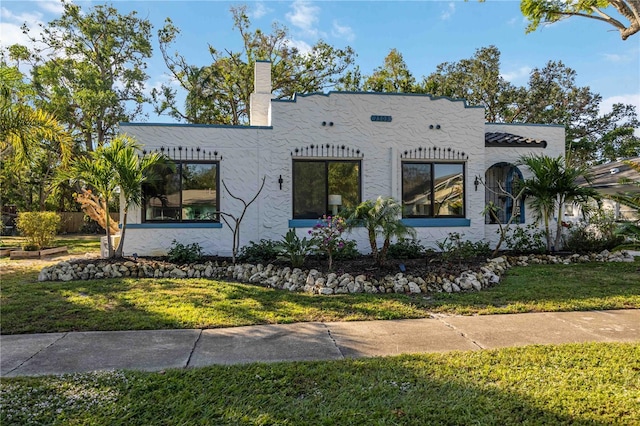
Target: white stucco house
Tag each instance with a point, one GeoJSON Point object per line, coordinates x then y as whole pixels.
{"type": "Point", "coordinates": [318, 151]}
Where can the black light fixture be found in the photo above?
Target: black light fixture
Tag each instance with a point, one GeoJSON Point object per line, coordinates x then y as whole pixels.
{"type": "Point", "coordinates": [476, 182]}
{"type": "Point", "coordinates": [280, 180]}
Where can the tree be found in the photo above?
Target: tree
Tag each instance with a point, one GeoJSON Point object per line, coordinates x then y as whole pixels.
{"type": "Point", "coordinates": [91, 71]}
{"type": "Point", "coordinates": [32, 143]}
{"type": "Point", "coordinates": [234, 221]}
{"type": "Point", "coordinates": [551, 96]}
{"type": "Point", "coordinates": [111, 169]}
{"type": "Point", "coordinates": [548, 11]}
{"type": "Point", "coordinates": [381, 218]}
{"type": "Point", "coordinates": [219, 93]}
{"type": "Point", "coordinates": [95, 171]}
{"type": "Point", "coordinates": [132, 170]}
{"type": "Point", "coordinates": [478, 81]}
{"type": "Point", "coordinates": [392, 76]}
{"type": "Point", "coordinates": [553, 183]}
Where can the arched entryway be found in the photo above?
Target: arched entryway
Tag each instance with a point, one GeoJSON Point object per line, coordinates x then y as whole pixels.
{"type": "Point", "coordinates": [501, 179]}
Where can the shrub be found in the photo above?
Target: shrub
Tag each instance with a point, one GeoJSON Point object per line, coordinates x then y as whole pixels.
{"type": "Point", "coordinates": [406, 249]}
{"type": "Point", "coordinates": [327, 236]}
{"type": "Point", "coordinates": [184, 253]}
{"type": "Point", "coordinates": [264, 251]}
{"type": "Point", "coordinates": [528, 239]}
{"type": "Point", "coordinates": [348, 251]}
{"type": "Point", "coordinates": [39, 228]}
{"type": "Point", "coordinates": [597, 235]}
{"type": "Point", "coordinates": [453, 248]}
{"type": "Point", "coordinates": [293, 249]}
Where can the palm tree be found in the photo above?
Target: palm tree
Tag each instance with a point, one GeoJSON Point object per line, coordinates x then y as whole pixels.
{"type": "Point", "coordinates": [95, 171]}
{"type": "Point", "coordinates": [552, 185]}
{"type": "Point", "coordinates": [380, 218]}
{"type": "Point", "coordinates": [24, 128]}
{"type": "Point", "coordinates": [132, 171]}
{"type": "Point", "coordinates": [115, 167]}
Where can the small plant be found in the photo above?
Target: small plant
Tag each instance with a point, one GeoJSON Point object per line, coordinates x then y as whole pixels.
{"type": "Point", "coordinates": [185, 253]}
{"type": "Point", "coordinates": [381, 218]}
{"type": "Point", "coordinates": [406, 249]}
{"type": "Point", "coordinates": [453, 248]}
{"type": "Point", "coordinates": [348, 251]}
{"type": "Point", "coordinates": [39, 228]}
{"type": "Point", "coordinates": [294, 249]}
{"type": "Point", "coordinates": [528, 239]}
{"type": "Point", "coordinates": [327, 236]}
{"type": "Point", "coordinates": [264, 251]}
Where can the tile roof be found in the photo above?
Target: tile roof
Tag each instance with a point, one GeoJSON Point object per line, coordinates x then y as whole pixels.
{"type": "Point", "coordinates": [500, 139]}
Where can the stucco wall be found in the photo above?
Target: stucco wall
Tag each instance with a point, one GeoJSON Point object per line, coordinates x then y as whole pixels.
{"type": "Point", "coordinates": [251, 153]}
{"type": "Point", "coordinates": [554, 135]}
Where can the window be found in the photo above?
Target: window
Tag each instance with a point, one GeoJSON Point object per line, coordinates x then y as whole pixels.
{"type": "Point", "coordinates": [432, 189]}
{"type": "Point", "coordinates": [316, 182]}
{"type": "Point", "coordinates": [187, 194]}
{"type": "Point", "coordinates": [501, 186]}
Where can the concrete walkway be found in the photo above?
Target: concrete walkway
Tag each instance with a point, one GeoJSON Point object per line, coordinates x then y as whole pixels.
{"type": "Point", "coordinates": [58, 353]}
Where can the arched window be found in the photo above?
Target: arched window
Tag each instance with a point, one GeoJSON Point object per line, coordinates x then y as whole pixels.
{"type": "Point", "coordinates": [501, 184]}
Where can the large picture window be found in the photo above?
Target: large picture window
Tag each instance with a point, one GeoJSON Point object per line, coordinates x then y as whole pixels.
{"type": "Point", "coordinates": [323, 186]}
{"type": "Point", "coordinates": [432, 189]}
{"type": "Point", "coordinates": [189, 193]}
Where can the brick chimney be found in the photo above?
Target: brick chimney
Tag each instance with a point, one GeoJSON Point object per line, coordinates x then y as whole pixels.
{"type": "Point", "coordinates": [260, 100]}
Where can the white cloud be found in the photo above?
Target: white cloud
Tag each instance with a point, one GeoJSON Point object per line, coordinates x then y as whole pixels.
{"type": "Point", "coordinates": [632, 98]}
{"type": "Point", "coordinates": [519, 75]}
{"type": "Point", "coordinates": [342, 31]}
{"type": "Point", "coordinates": [304, 17]}
{"type": "Point", "coordinates": [10, 27]}
{"type": "Point", "coordinates": [259, 10]}
{"type": "Point", "coordinates": [448, 13]}
{"type": "Point", "coordinates": [52, 6]}
{"type": "Point", "coordinates": [302, 46]}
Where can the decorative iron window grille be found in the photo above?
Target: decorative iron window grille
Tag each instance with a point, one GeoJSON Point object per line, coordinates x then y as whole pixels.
{"type": "Point", "coordinates": [434, 153]}
{"type": "Point", "coordinates": [180, 153]}
{"type": "Point", "coordinates": [327, 150]}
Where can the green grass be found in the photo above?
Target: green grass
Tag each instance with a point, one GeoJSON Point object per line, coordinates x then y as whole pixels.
{"type": "Point", "coordinates": [76, 243]}
{"type": "Point", "coordinates": [587, 384]}
{"type": "Point", "coordinates": [128, 304]}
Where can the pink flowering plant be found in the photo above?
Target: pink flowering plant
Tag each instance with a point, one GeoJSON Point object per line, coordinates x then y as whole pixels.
{"type": "Point", "coordinates": [328, 235]}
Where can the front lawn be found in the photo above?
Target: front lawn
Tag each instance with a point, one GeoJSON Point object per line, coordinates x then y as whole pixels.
{"type": "Point", "coordinates": [135, 304]}
{"type": "Point", "coordinates": [587, 384]}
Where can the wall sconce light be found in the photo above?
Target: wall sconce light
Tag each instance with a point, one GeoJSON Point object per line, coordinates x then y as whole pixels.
{"type": "Point", "coordinates": [437, 126]}
{"type": "Point", "coordinates": [331, 124]}
{"type": "Point", "coordinates": [476, 182]}
{"type": "Point", "coordinates": [431, 126]}
{"type": "Point", "coordinates": [324, 123]}
{"type": "Point", "coordinates": [280, 180]}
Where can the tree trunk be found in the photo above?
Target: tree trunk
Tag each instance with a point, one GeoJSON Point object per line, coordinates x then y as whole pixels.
{"type": "Point", "coordinates": [120, 248]}
{"type": "Point", "coordinates": [109, 245]}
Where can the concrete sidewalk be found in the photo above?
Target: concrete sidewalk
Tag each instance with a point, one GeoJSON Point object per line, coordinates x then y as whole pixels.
{"type": "Point", "coordinates": [58, 353]}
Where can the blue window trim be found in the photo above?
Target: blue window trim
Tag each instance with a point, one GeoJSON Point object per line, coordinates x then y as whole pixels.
{"type": "Point", "coordinates": [303, 223]}
{"type": "Point", "coordinates": [172, 225]}
{"type": "Point", "coordinates": [436, 222]}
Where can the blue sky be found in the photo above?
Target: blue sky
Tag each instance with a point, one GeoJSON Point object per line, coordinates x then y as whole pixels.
{"type": "Point", "coordinates": [427, 33]}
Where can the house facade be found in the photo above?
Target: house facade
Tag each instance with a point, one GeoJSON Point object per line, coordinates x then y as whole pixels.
{"type": "Point", "coordinates": [318, 153]}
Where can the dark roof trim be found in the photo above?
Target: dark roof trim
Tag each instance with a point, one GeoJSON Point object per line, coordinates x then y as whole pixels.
{"type": "Point", "coordinates": [502, 140]}
{"type": "Point", "coordinates": [334, 92]}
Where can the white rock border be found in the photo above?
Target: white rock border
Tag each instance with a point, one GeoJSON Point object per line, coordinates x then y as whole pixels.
{"type": "Point", "coordinates": [313, 281]}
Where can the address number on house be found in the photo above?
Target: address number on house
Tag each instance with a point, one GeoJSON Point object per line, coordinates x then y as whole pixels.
{"type": "Point", "coordinates": [386, 118]}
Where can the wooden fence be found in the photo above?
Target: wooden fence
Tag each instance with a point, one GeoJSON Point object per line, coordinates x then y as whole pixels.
{"type": "Point", "coordinates": [72, 222]}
